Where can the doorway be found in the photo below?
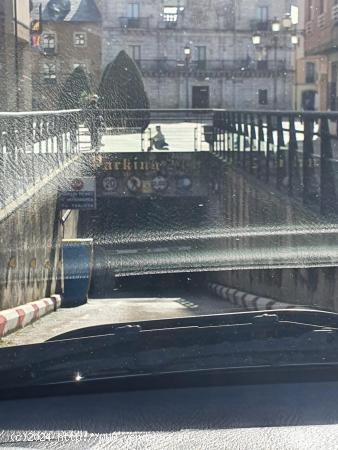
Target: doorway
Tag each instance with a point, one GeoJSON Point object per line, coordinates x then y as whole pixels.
{"type": "Point", "coordinates": [309, 100]}
{"type": "Point", "coordinates": [200, 97]}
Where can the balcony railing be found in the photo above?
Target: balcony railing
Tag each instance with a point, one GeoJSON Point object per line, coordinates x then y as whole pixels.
{"type": "Point", "coordinates": [334, 14]}
{"type": "Point", "coordinates": [321, 22]}
{"type": "Point", "coordinates": [260, 25]}
{"type": "Point", "coordinates": [216, 67]}
{"type": "Point", "coordinates": [134, 22]}
{"type": "Point", "coordinates": [169, 20]}
{"type": "Point", "coordinates": [49, 51]}
{"type": "Point", "coordinates": [308, 27]}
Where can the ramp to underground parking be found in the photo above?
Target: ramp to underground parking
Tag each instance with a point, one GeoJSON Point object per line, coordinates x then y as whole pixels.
{"type": "Point", "coordinates": [179, 212]}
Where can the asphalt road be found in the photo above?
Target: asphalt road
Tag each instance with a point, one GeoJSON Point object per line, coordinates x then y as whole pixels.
{"type": "Point", "coordinates": [127, 307]}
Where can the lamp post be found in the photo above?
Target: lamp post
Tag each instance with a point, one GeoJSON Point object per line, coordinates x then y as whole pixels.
{"type": "Point", "coordinates": [187, 57]}
{"type": "Point", "coordinates": [256, 39]}
{"type": "Point", "coordinates": [295, 42]}
{"type": "Point", "coordinates": [277, 27]}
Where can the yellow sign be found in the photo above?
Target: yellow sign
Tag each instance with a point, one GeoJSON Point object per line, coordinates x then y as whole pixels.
{"type": "Point", "coordinates": [12, 263]}
{"type": "Point", "coordinates": [146, 187]}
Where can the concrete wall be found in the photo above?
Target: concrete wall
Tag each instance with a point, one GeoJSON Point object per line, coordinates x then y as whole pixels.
{"type": "Point", "coordinates": [30, 241]}
{"type": "Point", "coordinates": [312, 286]}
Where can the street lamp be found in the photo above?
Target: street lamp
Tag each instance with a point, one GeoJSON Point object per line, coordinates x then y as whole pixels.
{"type": "Point", "coordinates": [187, 54]}
{"type": "Point", "coordinates": [275, 25]}
{"type": "Point", "coordinates": [256, 39]}
{"type": "Point", "coordinates": [287, 21]}
{"type": "Point", "coordinates": [278, 27]}
{"type": "Point", "coordinates": [295, 42]}
{"type": "Point", "coordinates": [294, 39]}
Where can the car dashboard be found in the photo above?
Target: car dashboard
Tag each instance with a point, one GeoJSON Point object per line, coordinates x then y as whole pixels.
{"type": "Point", "coordinates": [274, 416]}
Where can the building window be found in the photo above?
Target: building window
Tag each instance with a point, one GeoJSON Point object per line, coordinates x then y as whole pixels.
{"type": "Point", "coordinates": [201, 53]}
{"type": "Point", "coordinates": [332, 88]}
{"type": "Point", "coordinates": [321, 6]}
{"type": "Point", "coordinates": [49, 41]}
{"type": "Point", "coordinates": [263, 96]}
{"type": "Point", "coordinates": [80, 39]}
{"type": "Point", "coordinates": [262, 23]}
{"type": "Point", "coordinates": [308, 100]}
{"type": "Point", "coordinates": [310, 72]}
{"type": "Point", "coordinates": [262, 13]}
{"type": "Point", "coordinates": [49, 72]}
{"type": "Point", "coordinates": [133, 11]}
{"type": "Point", "coordinates": [135, 52]}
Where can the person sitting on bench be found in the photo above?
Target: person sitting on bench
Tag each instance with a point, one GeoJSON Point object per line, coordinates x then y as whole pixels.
{"type": "Point", "coordinates": [158, 141]}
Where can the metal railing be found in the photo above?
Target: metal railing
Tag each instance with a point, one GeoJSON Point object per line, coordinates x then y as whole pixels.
{"type": "Point", "coordinates": [32, 146]}
{"type": "Point", "coordinates": [334, 13]}
{"type": "Point", "coordinates": [295, 152]}
{"type": "Point", "coordinates": [134, 22]}
{"type": "Point", "coordinates": [245, 66]}
{"type": "Point", "coordinates": [260, 25]}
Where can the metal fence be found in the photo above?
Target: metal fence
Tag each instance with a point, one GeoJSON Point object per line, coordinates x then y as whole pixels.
{"type": "Point", "coordinates": [32, 146]}
{"type": "Point", "coordinates": [222, 67]}
{"type": "Point", "coordinates": [296, 152]}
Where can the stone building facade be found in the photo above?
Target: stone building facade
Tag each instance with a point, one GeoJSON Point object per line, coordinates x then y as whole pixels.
{"type": "Point", "coordinates": [321, 46]}
{"type": "Point", "coordinates": [15, 56]}
{"type": "Point", "coordinates": [71, 37]}
{"type": "Point", "coordinates": [199, 53]}
{"type": "Point", "coordinates": [310, 71]}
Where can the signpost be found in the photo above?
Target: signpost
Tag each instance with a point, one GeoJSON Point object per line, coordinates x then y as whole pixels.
{"type": "Point", "coordinates": [79, 193]}
{"type": "Point", "coordinates": [148, 175]}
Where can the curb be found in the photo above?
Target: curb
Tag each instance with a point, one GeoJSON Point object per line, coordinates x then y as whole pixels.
{"type": "Point", "coordinates": [16, 318]}
{"type": "Point", "coordinates": [246, 300]}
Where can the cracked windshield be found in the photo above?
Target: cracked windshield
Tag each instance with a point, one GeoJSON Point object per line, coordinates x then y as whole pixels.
{"type": "Point", "coordinates": [163, 164]}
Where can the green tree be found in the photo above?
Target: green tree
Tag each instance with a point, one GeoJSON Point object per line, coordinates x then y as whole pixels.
{"type": "Point", "coordinates": [122, 88]}
{"type": "Point", "coordinates": [75, 90]}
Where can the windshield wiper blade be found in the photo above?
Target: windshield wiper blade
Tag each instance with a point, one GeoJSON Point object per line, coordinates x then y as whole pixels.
{"type": "Point", "coordinates": [309, 316]}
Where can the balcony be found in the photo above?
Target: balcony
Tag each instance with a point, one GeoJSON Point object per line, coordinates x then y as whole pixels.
{"type": "Point", "coordinates": [321, 22]}
{"type": "Point", "coordinates": [260, 25]}
{"type": "Point", "coordinates": [201, 64]}
{"type": "Point", "coordinates": [169, 21]}
{"type": "Point", "coordinates": [210, 68]}
{"type": "Point", "coordinates": [49, 51]}
{"type": "Point", "coordinates": [132, 23]}
{"type": "Point", "coordinates": [334, 14]}
{"type": "Point", "coordinates": [308, 28]}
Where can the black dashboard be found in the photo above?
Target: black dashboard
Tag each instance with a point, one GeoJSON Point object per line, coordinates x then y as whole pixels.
{"type": "Point", "coordinates": [275, 416]}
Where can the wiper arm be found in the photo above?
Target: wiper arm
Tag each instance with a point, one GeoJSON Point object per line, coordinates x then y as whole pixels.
{"type": "Point", "coordinates": [305, 316]}
{"type": "Point", "coordinates": [131, 350]}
